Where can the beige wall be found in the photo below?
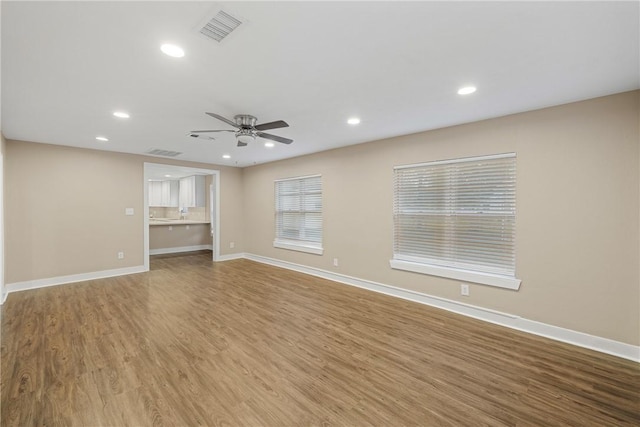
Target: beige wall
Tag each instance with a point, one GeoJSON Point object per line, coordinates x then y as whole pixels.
{"type": "Point", "coordinates": [577, 212]}
{"type": "Point", "coordinates": [232, 228]}
{"type": "Point", "coordinates": [160, 237]}
{"type": "Point", "coordinates": [65, 209]}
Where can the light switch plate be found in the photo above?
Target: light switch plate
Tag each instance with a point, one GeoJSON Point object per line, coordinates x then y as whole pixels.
{"type": "Point", "coordinates": [128, 211]}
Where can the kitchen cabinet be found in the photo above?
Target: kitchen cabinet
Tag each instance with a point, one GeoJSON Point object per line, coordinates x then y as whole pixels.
{"type": "Point", "coordinates": [164, 193]}
{"type": "Point", "coordinates": [192, 192]}
{"type": "Point", "coordinates": [155, 193]}
{"type": "Point", "coordinates": [172, 194]}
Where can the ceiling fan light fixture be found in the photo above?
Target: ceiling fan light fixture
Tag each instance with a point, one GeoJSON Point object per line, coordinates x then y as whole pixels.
{"type": "Point", "coordinates": [246, 139]}
{"type": "Point", "coordinates": [245, 136]}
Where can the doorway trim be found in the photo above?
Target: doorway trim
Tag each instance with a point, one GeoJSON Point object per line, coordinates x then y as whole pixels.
{"type": "Point", "coordinates": [216, 225]}
{"type": "Point", "coordinates": [3, 292]}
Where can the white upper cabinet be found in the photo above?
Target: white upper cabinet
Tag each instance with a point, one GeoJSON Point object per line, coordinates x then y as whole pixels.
{"type": "Point", "coordinates": [192, 194]}
{"type": "Point", "coordinates": [163, 193]}
{"type": "Point", "coordinates": [155, 193]}
{"type": "Point", "coordinates": [171, 192]}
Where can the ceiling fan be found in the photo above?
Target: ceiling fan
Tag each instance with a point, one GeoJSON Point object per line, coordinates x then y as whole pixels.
{"type": "Point", "coordinates": [247, 129]}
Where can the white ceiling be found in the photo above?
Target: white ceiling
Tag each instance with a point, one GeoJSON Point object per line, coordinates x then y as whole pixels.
{"type": "Point", "coordinates": [66, 66]}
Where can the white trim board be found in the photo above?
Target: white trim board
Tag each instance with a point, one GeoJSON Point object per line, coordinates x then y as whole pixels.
{"type": "Point", "coordinates": [83, 277]}
{"type": "Point", "coordinates": [580, 339]}
{"type": "Point", "coordinates": [3, 291]}
{"type": "Point", "coordinates": [458, 274]}
{"type": "Point", "coordinates": [230, 257]}
{"type": "Point", "coordinates": [179, 249]}
{"type": "Point", "coordinates": [61, 280]}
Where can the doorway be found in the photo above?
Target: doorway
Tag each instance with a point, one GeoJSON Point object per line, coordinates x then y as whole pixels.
{"type": "Point", "coordinates": [157, 172]}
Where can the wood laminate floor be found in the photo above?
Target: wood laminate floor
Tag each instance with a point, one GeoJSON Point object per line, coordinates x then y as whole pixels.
{"type": "Point", "coordinates": [240, 343]}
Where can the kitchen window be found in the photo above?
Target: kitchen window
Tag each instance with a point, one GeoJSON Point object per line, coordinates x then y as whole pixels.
{"type": "Point", "coordinates": [456, 219]}
{"type": "Point", "coordinates": [298, 214]}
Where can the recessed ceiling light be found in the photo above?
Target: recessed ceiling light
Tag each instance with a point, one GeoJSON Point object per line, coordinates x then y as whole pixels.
{"type": "Point", "coordinates": [269, 144]}
{"type": "Point", "coordinates": [167, 176]}
{"type": "Point", "coordinates": [226, 156]}
{"type": "Point", "coordinates": [353, 121]}
{"type": "Point", "coordinates": [121, 114]}
{"type": "Point", "coordinates": [466, 90]}
{"type": "Point", "coordinates": [102, 138]}
{"type": "Point", "coordinates": [172, 50]}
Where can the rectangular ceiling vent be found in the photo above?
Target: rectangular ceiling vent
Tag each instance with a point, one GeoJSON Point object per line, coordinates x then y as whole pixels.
{"type": "Point", "coordinates": [164, 153]}
{"type": "Point", "coordinates": [220, 26]}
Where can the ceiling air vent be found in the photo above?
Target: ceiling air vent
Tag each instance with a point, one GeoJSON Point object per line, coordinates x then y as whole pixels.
{"type": "Point", "coordinates": [165, 153]}
{"type": "Point", "coordinates": [220, 26]}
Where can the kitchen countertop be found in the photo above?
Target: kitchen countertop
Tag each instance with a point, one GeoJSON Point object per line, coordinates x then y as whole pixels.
{"type": "Point", "coordinates": [169, 221]}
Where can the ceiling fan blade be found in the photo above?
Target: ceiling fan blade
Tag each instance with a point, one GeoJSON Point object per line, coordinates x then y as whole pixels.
{"type": "Point", "coordinates": [223, 119]}
{"type": "Point", "coordinates": [217, 130]}
{"type": "Point", "coordinates": [197, 135]}
{"type": "Point", "coordinates": [272, 125]}
{"type": "Point", "coordinates": [275, 138]}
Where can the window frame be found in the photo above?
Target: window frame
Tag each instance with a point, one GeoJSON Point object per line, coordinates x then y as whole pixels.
{"type": "Point", "coordinates": [458, 270]}
{"type": "Point", "coordinates": [301, 245]}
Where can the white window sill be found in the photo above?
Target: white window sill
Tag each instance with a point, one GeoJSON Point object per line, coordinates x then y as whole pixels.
{"type": "Point", "coordinates": [300, 247]}
{"type": "Point", "coordinates": [452, 273]}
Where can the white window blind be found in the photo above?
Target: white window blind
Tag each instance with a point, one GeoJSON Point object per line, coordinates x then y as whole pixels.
{"type": "Point", "coordinates": [457, 214]}
{"type": "Point", "coordinates": [299, 214]}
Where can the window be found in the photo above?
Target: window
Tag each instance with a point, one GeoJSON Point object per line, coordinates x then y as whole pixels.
{"type": "Point", "coordinates": [299, 214]}
{"type": "Point", "coordinates": [456, 219]}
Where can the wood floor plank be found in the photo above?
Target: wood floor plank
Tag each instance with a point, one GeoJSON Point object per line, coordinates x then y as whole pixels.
{"type": "Point", "coordinates": [194, 342]}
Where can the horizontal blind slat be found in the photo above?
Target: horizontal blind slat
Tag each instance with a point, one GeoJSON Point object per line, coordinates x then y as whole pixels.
{"type": "Point", "coordinates": [299, 209]}
{"type": "Point", "coordinates": [457, 213]}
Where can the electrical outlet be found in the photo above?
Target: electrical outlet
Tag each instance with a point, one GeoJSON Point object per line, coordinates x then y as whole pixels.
{"type": "Point", "coordinates": [170, 228]}
{"type": "Point", "coordinates": [335, 262]}
{"type": "Point", "coordinates": [232, 245]}
{"type": "Point", "coordinates": [464, 289]}
{"type": "Point", "coordinates": [187, 227]}
{"type": "Point", "coordinates": [120, 255]}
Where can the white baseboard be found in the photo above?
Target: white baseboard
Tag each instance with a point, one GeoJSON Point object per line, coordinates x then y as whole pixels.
{"type": "Point", "coordinates": [61, 280]}
{"type": "Point", "coordinates": [604, 345]}
{"type": "Point", "coordinates": [229, 257]}
{"type": "Point", "coordinates": [176, 250]}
